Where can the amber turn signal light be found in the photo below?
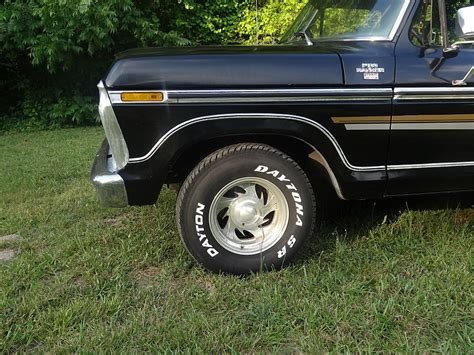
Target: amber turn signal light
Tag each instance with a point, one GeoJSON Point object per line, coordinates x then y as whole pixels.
{"type": "Point", "coordinates": [143, 97]}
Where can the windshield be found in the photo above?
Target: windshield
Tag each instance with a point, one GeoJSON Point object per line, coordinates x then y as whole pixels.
{"type": "Point", "coordinates": [346, 20]}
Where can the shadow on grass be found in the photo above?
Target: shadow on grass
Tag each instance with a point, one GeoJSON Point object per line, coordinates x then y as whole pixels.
{"type": "Point", "coordinates": [350, 220]}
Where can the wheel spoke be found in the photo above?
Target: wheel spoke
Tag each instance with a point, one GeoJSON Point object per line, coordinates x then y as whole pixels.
{"type": "Point", "coordinates": [268, 209]}
{"type": "Point", "coordinates": [257, 233]}
{"type": "Point", "coordinates": [251, 190]}
{"type": "Point", "coordinates": [270, 206]}
{"type": "Point", "coordinates": [229, 230]}
{"type": "Point", "coordinates": [224, 202]}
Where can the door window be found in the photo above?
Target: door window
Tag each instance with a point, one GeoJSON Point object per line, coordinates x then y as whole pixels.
{"type": "Point", "coordinates": [426, 29]}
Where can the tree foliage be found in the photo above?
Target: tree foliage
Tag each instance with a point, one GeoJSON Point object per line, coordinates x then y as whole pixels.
{"type": "Point", "coordinates": [269, 23]}
{"type": "Point", "coordinates": [54, 32]}
{"type": "Point", "coordinates": [55, 51]}
{"type": "Point", "coordinates": [211, 22]}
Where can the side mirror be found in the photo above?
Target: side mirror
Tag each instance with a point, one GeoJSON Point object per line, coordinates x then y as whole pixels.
{"type": "Point", "coordinates": [465, 23]}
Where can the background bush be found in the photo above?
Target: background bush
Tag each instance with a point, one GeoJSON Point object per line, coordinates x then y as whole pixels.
{"type": "Point", "coordinates": [53, 52]}
{"type": "Point", "coordinates": [274, 17]}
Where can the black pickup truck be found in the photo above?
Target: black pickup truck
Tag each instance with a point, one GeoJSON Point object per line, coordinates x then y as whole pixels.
{"type": "Point", "coordinates": [373, 97]}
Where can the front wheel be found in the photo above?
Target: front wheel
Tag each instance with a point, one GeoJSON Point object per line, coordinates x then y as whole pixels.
{"type": "Point", "coordinates": [245, 208]}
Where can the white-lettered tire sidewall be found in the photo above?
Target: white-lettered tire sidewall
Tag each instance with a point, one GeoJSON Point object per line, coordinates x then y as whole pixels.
{"type": "Point", "coordinates": [267, 164]}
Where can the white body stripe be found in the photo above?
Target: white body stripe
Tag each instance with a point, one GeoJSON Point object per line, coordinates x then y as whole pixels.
{"type": "Point", "coordinates": [305, 120]}
{"type": "Point", "coordinates": [367, 126]}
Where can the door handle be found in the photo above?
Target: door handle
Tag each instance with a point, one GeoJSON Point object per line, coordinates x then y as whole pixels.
{"type": "Point", "coordinates": [463, 81]}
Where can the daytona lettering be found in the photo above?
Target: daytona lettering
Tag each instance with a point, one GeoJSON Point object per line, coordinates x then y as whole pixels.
{"type": "Point", "coordinates": [199, 220]}
{"type": "Point", "coordinates": [294, 191]}
{"type": "Point", "coordinates": [296, 198]}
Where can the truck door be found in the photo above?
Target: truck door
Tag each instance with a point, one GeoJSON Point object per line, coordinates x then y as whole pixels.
{"type": "Point", "coordinates": [432, 130]}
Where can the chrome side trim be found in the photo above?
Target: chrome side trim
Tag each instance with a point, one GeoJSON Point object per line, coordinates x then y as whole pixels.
{"type": "Point", "coordinates": [434, 93]}
{"type": "Point", "coordinates": [303, 95]}
{"type": "Point", "coordinates": [285, 117]}
{"type": "Point", "coordinates": [431, 166]}
{"type": "Point", "coordinates": [275, 99]}
{"type": "Point", "coordinates": [326, 92]}
{"type": "Point", "coordinates": [429, 126]}
{"type": "Point", "coordinates": [264, 95]}
{"type": "Point", "coordinates": [436, 126]}
{"type": "Point", "coordinates": [112, 129]}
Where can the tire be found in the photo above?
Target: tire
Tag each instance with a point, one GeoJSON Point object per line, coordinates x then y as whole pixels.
{"type": "Point", "coordinates": [245, 208]}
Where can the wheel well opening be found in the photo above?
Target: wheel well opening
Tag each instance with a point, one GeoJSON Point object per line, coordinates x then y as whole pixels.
{"type": "Point", "coordinates": [186, 159]}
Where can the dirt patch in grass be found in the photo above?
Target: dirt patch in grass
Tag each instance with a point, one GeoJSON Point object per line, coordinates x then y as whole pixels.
{"type": "Point", "coordinates": [208, 286]}
{"type": "Point", "coordinates": [10, 238]}
{"type": "Point", "coordinates": [7, 255]}
{"type": "Point", "coordinates": [154, 276]}
{"type": "Point", "coordinates": [118, 220]}
{"type": "Point", "coordinates": [145, 277]}
{"type": "Point", "coordinates": [464, 216]}
{"type": "Point", "coordinates": [80, 282]}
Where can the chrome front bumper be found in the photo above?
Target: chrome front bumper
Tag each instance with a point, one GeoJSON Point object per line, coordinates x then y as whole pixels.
{"type": "Point", "coordinates": [110, 186]}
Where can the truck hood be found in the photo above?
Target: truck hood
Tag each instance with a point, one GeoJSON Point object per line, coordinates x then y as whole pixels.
{"type": "Point", "coordinates": [195, 68]}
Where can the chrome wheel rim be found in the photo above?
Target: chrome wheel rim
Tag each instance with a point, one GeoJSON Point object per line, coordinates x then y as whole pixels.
{"type": "Point", "coordinates": [248, 216]}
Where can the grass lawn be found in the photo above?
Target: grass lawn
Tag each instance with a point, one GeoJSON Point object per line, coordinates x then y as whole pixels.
{"type": "Point", "coordinates": [386, 276]}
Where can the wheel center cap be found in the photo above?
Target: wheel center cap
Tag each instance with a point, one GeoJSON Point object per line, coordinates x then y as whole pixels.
{"type": "Point", "coordinates": [244, 212]}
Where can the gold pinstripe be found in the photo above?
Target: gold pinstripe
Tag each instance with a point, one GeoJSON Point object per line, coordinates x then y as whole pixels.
{"type": "Point", "coordinates": [368, 119]}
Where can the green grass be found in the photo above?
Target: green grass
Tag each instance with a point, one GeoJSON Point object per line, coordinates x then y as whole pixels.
{"type": "Point", "coordinates": [386, 276]}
